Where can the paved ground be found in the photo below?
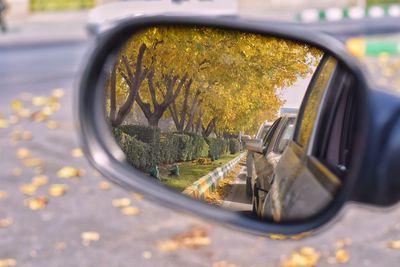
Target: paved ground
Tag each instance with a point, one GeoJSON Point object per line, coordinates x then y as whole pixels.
{"type": "Point", "coordinates": [52, 236]}
{"type": "Point", "coordinates": [237, 199]}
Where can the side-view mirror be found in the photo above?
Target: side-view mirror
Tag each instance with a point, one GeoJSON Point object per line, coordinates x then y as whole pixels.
{"type": "Point", "coordinates": [255, 145]}
{"type": "Point", "coordinates": [164, 101]}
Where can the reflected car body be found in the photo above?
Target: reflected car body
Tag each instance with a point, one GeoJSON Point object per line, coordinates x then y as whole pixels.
{"type": "Point", "coordinates": [264, 163]}
{"type": "Point", "coordinates": [318, 155]}
{"type": "Point", "coordinates": [260, 136]}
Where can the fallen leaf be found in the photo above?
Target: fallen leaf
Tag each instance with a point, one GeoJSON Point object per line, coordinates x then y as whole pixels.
{"type": "Point", "coordinates": [3, 195]}
{"type": "Point", "coordinates": [8, 262]}
{"type": "Point", "coordinates": [57, 92]}
{"type": "Point", "coordinates": [77, 152]}
{"type": "Point", "coordinates": [59, 246]}
{"type": "Point", "coordinates": [137, 196]}
{"type": "Point", "coordinates": [24, 113]}
{"type": "Point", "coordinates": [52, 125]}
{"type": "Point", "coordinates": [88, 237]}
{"type": "Point", "coordinates": [343, 242]}
{"type": "Point", "coordinates": [28, 189]}
{"type": "Point", "coordinates": [27, 135]}
{"type": "Point", "coordinates": [57, 190]}
{"type": "Point", "coordinates": [395, 244]}
{"type": "Point", "coordinates": [147, 255]}
{"type": "Point", "coordinates": [223, 264]}
{"type": "Point", "coordinates": [104, 185]}
{"type": "Point", "coordinates": [342, 256]}
{"type": "Point", "coordinates": [39, 180]}
{"type": "Point", "coordinates": [16, 104]}
{"type": "Point", "coordinates": [23, 153]}
{"type": "Point", "coordinates": [6, 222]}
{"type": "Point", "coordinates": [39, 100]}
{"type": "Point", "coordinates": [38, 116]}
{"type": "Point", "coordinates": [16, 172]}
{"type": "Point", "coordinates": [69, 172]}
{"type": "Point", "coordinates": [48, 111]}
{"type": "Point", "coordinates": [37, 203]}
{"type": "Point", "coordinates": [193, 238]}
{"type": "Point", "coordinates": [130, 211]}
{"type": "Point", "coordinates": [4, 123]}
{"type": "Point", "coordinates": [305, 257]}
{"type": "Point", "coordinates": [121, 202]}
{"type": "Point", "coordinates": [32, 162]}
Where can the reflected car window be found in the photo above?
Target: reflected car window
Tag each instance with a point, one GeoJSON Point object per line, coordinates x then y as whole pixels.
{"type": "Point", "coordinates": [313, 101]}
{"type": "Point", "coordinates": [286, 136]}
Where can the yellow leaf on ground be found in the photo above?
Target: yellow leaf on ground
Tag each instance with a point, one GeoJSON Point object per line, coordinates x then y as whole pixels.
{"type": "Point", "coordinates": [39, 116]}
{"type": "Point", "coordinates": [193, 238]}
{"type": "Point", "coordinates": [343, 242]}
{"type": "Point", "coordinates": [57, 92]}
{"type": "Point", "coordinates": [77, 152]}
{"type": "Point", "coordinates": [6, 222]}
{"type": "Point", "coordinates": [147, 255]}
{"type": "Point", "coordinates": [59, 246]}
{"type": "Point", "coordinates": [88, 237]}
{"type": "Point", "coordinates": [24, 113]}
{"type": "Point", "coordinates": [3, 195]}
{"type": "Point", "coordinates": [121, 202]}
{"type": "Point", "coordinates": [39, 180]}
{"type": "Point", "coordinates": [130, 211]}
{"type": "Point", "coordinates": [8, 262]}
{"type": "Point", "coordinates": [39, 100]}
{"type": "Point", "coordinates": [23, 153]}
{"type": "Point", "coordinates": [3, 123]}
{"type": "Point", "coordinates": [28, 189]}
{"type": "Point", "coordinates": [69, 172]}
{"type": "Point", "coordinates": [223, 264]}
{"type": "Point", "coordinates": [52, 125]}
{"type": "Point", "coordinates": [104, 185]}
{"type": "Point", "coordinates": [27, 135]}
{"type": "Point", "coordinates": [395, 244]}
{"type": "Point", "coordinates": [16, 104]}
{"type": "Point", "coordinates": [57, 190]}
{"type": "Point", "coordinates": [32, 162]}
{"type": "Point", "coordinates": [48, 111]}
{"type": "Point", "coordinates": [305, 257]}
{"type": "Point", "coordinates": [37, 203]}
{"type": "Point", "coordinates": [137, 196]}
{"type": "Point", "coordinates": [342, 256]}
{"type": "Point", "coordinates": [16, 172]}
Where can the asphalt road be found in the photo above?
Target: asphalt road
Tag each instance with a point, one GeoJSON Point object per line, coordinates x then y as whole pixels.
{"type": "Point", "coordinates": [52, 236]}
{"type": "Point", "coordinates": [237, 199]}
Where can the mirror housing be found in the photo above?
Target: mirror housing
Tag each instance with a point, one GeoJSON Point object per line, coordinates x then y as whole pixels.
{"type": "Point", "coordinates": [103, 152]}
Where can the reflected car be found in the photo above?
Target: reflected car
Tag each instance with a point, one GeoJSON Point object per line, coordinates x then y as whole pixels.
{"type": "Point", "coordinates": [266, 157]}
{"type": "Point", "coordinates": [312, 167]}
{"type": "Point", "coordinates": [260, 136]}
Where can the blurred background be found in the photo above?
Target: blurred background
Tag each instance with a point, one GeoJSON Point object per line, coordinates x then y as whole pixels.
{"type": "Point", "coordinates": [55, 210]}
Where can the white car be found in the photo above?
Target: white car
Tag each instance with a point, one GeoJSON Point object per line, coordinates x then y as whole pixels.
{"type": "Point", "coordinates": [105, 17]}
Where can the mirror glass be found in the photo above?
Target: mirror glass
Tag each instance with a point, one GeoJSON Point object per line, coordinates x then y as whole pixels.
{"type": "Point", "coordinates": [211, 113]}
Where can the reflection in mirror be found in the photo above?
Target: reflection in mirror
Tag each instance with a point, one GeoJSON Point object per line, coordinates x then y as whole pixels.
{"type": "Point", "coordinates": [209, 112]}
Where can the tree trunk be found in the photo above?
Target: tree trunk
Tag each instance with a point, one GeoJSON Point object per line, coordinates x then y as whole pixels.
{"type": "Point", "coordinates": [134, 81]}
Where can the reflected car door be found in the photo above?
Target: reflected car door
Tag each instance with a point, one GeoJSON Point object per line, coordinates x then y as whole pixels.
{"type": "Point", "coordinates": [304, 183]}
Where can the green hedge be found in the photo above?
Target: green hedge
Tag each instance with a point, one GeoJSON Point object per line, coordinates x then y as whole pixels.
{"type": "Point", "coordinates": [146, 146]}
{"type": "Point", "coordinates": [234, 145]}
{"type": "Point", "coordinates": [138, 153]}
{"type": "Point", "coordinates": [147, 134]}
{"type": "Point", "coordinates": [217, 147]}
